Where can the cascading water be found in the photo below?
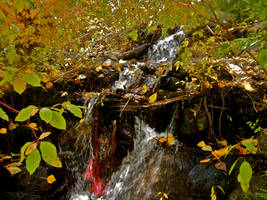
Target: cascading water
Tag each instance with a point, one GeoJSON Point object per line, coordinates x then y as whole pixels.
{"type": "Point", "coordinates": [141, 170]}
{"type": "Point", "coordinates": [166, 49]}
{"type": "Point", "coordinates": [83, 152]}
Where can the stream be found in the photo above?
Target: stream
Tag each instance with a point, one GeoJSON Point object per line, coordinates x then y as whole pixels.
{"type": "Point", "coordinates": [141, 170]}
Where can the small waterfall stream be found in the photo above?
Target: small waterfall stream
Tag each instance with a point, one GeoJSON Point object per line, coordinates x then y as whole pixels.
{"type": "Point", "coordinates": [141, 170]}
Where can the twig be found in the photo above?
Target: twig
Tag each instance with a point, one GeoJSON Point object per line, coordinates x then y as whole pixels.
{"type": "Point", "coordinates": [220, 118]}
{"type": "Point", "coordinates": [252, 103]}
{"type": "Point", "coordinates": [209, 117]}
{"type": "Point", "coordinates": [12, 109]}
{"type": "Point", "coordinates": [125, 105]}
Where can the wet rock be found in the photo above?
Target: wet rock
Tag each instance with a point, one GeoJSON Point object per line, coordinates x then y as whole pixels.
{"type": "Point", "coordinates": [256, 184]}
{"type": "Point", "coordinates": [203, 177]}
{"type": "Point", "coordinates": [171, 84]}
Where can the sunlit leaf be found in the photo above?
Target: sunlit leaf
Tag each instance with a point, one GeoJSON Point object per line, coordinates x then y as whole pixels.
{"type": "Point", "coordinates": [219, 153]}
{"type": "Point", "coordinates": [248, 87]}
{"type": "Point", "coordinates": [233, 166]}
{"type": "Point", "coordinates": [44, 135]}
{"type": "Point", "coordinates": [46, 114]}
{"type": "Point", "coordinates": [51, 179]}
{"type": "Point", "coordinates": [12, 125]}
{"type": "Point", "coordinates": [244, 176]}
{"type": "Point", "coordinates": [134, 35]}
{"type": "Point", "coordinates": [33, 126]}
{"type": "Point", "coordinates": [33, 79]}
{"type": "Point", "coordinates": [201, 144]}
{"type": "Point", "coordinates": [153, 98]}
{"type": "Point", "coordinates": [3, 115]}
{"type": "Point", "coordinates": [22, 151]}
{"type": "Point", "coordinates": [58, 121]}
{"type": "Point", "coordinates": [13, 170]}
{"type": "Point", "coordinates": [98, 69]}
{"type": "Point", "coordinates": [33, 161]}
{"type": "Point", "coordinates": [207, 148]}
{"type": "Point", "coordinates": [171, 139]}
{"type": "Point", "coordinates": [19, 85]}
{"type": "Point", "coordinates": [205, 160]}
{"type": "Point", "coordinates": [25, 113]}
{"type": "Point", "coordinates": [31, 147]}
{"type": "Point", "coordinates": [3, 131]}
{"type": "Point", "coordinates": [75, 110]}
{"type": "Point", "coordinates": [49, 85]}
{"type": "Point", "coordinates": [49, 154]}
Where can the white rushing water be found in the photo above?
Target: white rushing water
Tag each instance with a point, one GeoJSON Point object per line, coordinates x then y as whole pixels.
{"type": "Point", "coordinates": [139, 172]}
{"type": "Point", "coordinates": [166, 49]}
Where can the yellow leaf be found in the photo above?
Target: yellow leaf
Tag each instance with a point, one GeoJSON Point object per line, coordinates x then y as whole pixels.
{"type": "Point", "coordinates": [82, 120]}
{"type": "Point", "coordinates": [33, 126]}
{"type": "Point", "coordinates": [248, 87]}
{"type": "Point", "coordinates": [98, 69]}
{"type": "Point", "coordinates": [19, 85]}
{"type": "Point", "coordinates": [3, 131]}
{"type": "Point", "coordinates": [144, 89]}
{"type": "Point", "coordinates": [64, 94]}
{"type": "Point", "coordinates": [160, 71]}
{"type": "Point", "coordinates": [223, 143]}
{"type": "Point", "coordinates": [153, 98]}
{"type": "Point", "coordinates": [12, 125]}
{"type": "Point", "coordinates": [49, 85]}
{"type": "Point", "coordinates": [206, 148]}
{"type": "Point", "coordinates": [163, 139]}
{"type": "Point", "coordinates": [221, 152]}
{"type": "Point", "coordinates": [45, 78]}
{"type": "Point", "coordinates": [44, 135]}
{"type": "Point", "coordinates": [165, 195]}
{"type": "Point", "coordinates": [31, 147]}
{"type": "Point", "coordinates": [34, 112]}
{"type": "Point", "coordinates": [205, 160]}
{"type": "Point", "coordinates": [51, 179]}
{"type": "Point", "coordinates": [13, 170]}
{"type": "Point", "coordinates": [171, 139]}
{"type": "Point", "coordinates": [201, 144]}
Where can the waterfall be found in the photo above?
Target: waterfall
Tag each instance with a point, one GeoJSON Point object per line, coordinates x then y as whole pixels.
{"type": "Point", "coordinates": [166, 49]}
{"type": "Point", "coordinates": [142, 168]}
{"type": "Point", "coordinates": [140, 172]}
{"type": "Point", "coordinates": [82, 152]}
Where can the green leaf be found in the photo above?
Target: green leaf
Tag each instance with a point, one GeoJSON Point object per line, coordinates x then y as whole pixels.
{"type": "Point", "coordinates": [33, 161]}
{"type": "Point", "coordinates": [233, 166]}
{"type": "Point", "coordinates": [46, 114]}
{"type": "Point", "coordinates": [250, 147]}
{"type": "Point", "coordinates": [49, 154]}
{"type": "Point", "coordinates": [245, 174]}
{"type": "Point", "coordinates": [75, 110]}
{"type": "Point", "coordinates": [22, 151]}
{"type": "Point", "coordinates": [58, 121]}
{"type": "Point", "coordinates": [33, 79]}
{"type": "Point", "coordinates": [19, 85]}
{"type": "Point", "coordinates": [134, 35]}
{"type": "Point", "coordinates": [263, 58]}
{"type": "Point", "coordinates": [3, 115]}
{"type": "Point", "coordinates": [25, 113]}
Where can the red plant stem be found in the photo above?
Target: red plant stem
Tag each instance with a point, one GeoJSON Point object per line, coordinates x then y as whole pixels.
{"type": "Point", "coordinates": [12, 109]}
{"type": "Point", "coordinates": [16, 111]}
{"type": "Point", "coordinates": [33, 131]}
